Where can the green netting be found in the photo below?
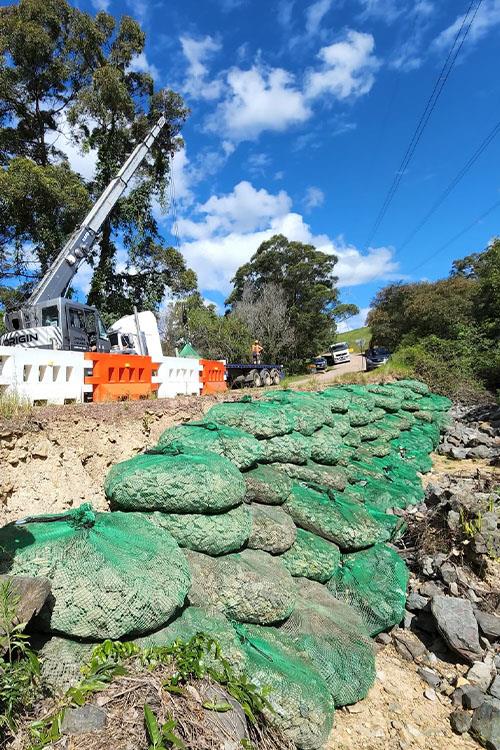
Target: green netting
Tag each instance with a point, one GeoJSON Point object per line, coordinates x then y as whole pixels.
{"type": "Point", "coordinates": [302, 707]}
{"type": "Point", "coordinates": [332, 635]}
{"type": "Point", "coordinates": [377, 448]}
{"type": "Point", "coordinates": [326, 446]}
{"type": "Point", "coordinates": [342, 521]}
{"type": "Point", "coordinates": [374, 582]}
{"type": "Point", "coordinates": [331, 477]}
{"type": "Point", "coordinates": [369, 432]}
{"type": "Point", "coordinates": [249, 586]}
{"type": "Point", "coordinates": [61, 660]}
{"type": "Point", "coordinates": [311, 556]}
{"type": "Point", "coordinates": [293, 448]}
{"type": "Point", "coordinates": [308, 412]}
{"type": "Point", "coordinates": [338, 400]}
{"type": "Point", "coordinates": [213, 534]}
{"type": "Point", "coordinates": [272, 529]}
{"type": "Point", "coordinates": [358, 415]}
{"type": "Point", "coordinates": [414, 385]}
{"type": "Point", "coordinates": [177, 483]}
{"type": "Point", "coordinates": [346, 455]}
{"type": "Point", "coordinates": [388, 403]}
{"type": "Point", "coordinates": [261, 419]}
{"type": "Point", "coordinates": [266, 485]}
{"type": "Point", "coordinates": [112, 574]}
{"type": "Point", "coordinates": [238, 446]}
{"type": "Point", "coordinates": [352, 439]}
{"type": "Point", "coordinates": [200, 620]}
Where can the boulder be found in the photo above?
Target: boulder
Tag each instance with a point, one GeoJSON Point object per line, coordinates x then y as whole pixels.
{"type": "Point", "coordinates": [460, 721]}
{"type": "Point", "coordinates": [30, 594]}
{"type": "Point", "coordinates": [455, 621]}
{"type": "Point", "coordinates": [480, 674]}
{"type": "Point", "coordinates": [83, 719]}
{"type": "Point", "coordinates": [494, 688]}
{"type": "Point", "coordinates": [489, 624]}
{"type": "Point", "coordinates": [485, 725]}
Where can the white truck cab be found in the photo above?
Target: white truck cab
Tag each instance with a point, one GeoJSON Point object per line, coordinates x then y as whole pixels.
{"type": "Point", "coordinates": [340, 352]}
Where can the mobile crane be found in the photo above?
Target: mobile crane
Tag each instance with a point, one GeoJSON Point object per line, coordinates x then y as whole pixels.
{"type": "Point", "coordinates": [50, 320]}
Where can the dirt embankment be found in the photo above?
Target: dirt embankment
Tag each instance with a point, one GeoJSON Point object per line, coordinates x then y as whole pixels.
{"type": "Point", "coordinates": [57, 457]}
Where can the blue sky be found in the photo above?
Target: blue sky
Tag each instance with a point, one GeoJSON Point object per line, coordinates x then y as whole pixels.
{"type": "Point", "coordinates": [301, 114]}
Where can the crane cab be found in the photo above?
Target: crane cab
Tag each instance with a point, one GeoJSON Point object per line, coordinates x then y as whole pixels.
{"type": "Point", "coordinates": [58, 323]}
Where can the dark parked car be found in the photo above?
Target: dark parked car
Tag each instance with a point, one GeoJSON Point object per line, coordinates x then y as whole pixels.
{"type": "Point", "coordinates": [319, 363]}
{"type": "Point", "coordinates": [376, 357]}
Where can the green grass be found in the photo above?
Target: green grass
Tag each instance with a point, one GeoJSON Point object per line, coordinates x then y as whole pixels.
{"type": "Point", "coordinates": [357, 333]}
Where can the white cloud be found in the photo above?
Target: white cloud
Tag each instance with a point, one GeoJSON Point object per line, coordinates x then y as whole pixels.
{"type": "Point", "coordinates": [357, 321]}
{"type": "Point", "coordinates": [385, 10]}
{"type": "Point", "coordinates": [258, 164]}
{"type": "Point", "coordinates": [197, 52]}
{"type": "Point", "coordinates": [259, 99]}
{"type": "Point", "coordinates": [348, 68]}
{"type": "Point", "coordinates": [315, 14]}
{"type": "Point", "coordinates": [140, 64]}
{"type": "Point", "coordinates": [314, 197]}
{"type": "Point", "coordinates": [83, 163]}
{"type": "Point", "coordinates": [101, 4]}
{"type": "Point", "coordinates": [231, 228]}
{"type": "Point", "coordinates": [487, 17]}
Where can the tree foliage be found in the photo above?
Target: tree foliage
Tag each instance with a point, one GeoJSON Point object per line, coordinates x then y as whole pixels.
{"type": "Point", "coordinates": [65, 74]}
{"type": "Point", "coordinates": [306, 276]}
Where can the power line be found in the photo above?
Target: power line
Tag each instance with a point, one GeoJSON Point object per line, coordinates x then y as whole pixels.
{"type": "Point", "coordinates": [439, 85]}
{"type": "Point", "coordinates": [454, 182]}
{"type": "Point", "coordinates": [458, 235]}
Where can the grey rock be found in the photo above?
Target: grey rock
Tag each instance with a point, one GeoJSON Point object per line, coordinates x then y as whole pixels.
{"type": "Point", "coordinates": [430, 589]}
{"type": "Point", "coordinates": [383, 638]}
{"type": "Point", "coordinates": [427, 566]}
{"type": "Point", "coordinates": [449, 573]}
{"type": "Point", "coordinates": [480, 674]}
{"type": "Point", "coordinates": [485, 725]}
{"type": "Point", "coordinates": [453, 587]}
{"type": "Point", "coordinates": [458, 453]}
{"type": "Point", "coordinates": [472, 696]}
{"type": "Point", "coordinates": [481, 451]}
{"type": "Point", "coordinates": [430, 677]}
{"type": "Point", "coordinates": [31, 593]}
{"type": "Point", "coordinates": [408, 619]}
{"type": "Point", "coordinates": [458, 626]}
{"type": "Point", "coordinates": [489, 624]}
{"type": "Point", "coordinates": [460, 721]}
{"type": "Point", "coordinates": [230, 726]}
{"type": "Point", "coordinates": [84, 719]}
{"type": "Point", "coordinates": [453, 520]}
{"type": "Point", "coordinates": [494, 688]}
{"type": "Point", "coordinates": [408, 645]}
{"type": "Point", "coordinates": [416, 602]}
{"type": "Point", "coordinates": [496, 662]}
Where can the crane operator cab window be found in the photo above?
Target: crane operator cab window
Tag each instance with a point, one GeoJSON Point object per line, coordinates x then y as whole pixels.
{"type": "Point", "coordinates": [50, 316]}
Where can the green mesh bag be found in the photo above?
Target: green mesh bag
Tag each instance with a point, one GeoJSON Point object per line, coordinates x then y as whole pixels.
{"type": "Point", "coordinates": [308, 414]}
{"type": "Point", "coordinates": [326, 446]}
{"type": "Point", "coordinates": [175, 483]}
{"type": "Point", "coordinates": [102, 567]}
{"type": "Point", "coordinates": [414, 385]}
{"type": "Point", "coordinates": [374, 582]}
{"type": "Point", "coordinates": [338, 400]}
{"type": "Point", "coordinates": [199, 620]}
{"type": "Point", "coordinates": [339, 423]}
{"type": "Point", "coordinates": [434, 402]}
{"type": "Point", "coordinates": [330, 477]}
{"type": "Point", "coordinates": [352, 439]}
{"type": "Point", "coordinates": [261, 419]}
{"type": "Point", "coordinates": [388, 403]}
{"type": "Point", "coordinates": [358, 415]}
{"type": "Point", "coordinates": [293, 448]}
{"type": "Point", "coordinates": [370, 432]}
{"type": "Point", "coordinates": [238, 446]}
{"type": "Point", "coordinates": [344, 522]}
{"type": "Point", "coordinates": [249, 586]}
{"type": "Point", "coordinates": [311, 556]}
{"type": "Point", "coordinates": [272, 529]}
{"type": "Point", "coordinates": [266, 485]}
{"type": "Point", "coordinates": [61, 661]}
{"type": "Point", "coordinates": [214, 534]}
{"type": "Point", "coordinates": [331, 634]}
{"type": "Point", "coordinates": [302, 707]}
{"type": "Point", "coordinates": [410, 405]}
{"type": "Point", "coordinates": [367, 450]}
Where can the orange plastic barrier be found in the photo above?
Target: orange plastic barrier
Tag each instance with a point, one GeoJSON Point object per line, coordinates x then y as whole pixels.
{"type": "Point", "coordinates": [213, 376]}
{"type": "Point", "coordinates": [121, 377]}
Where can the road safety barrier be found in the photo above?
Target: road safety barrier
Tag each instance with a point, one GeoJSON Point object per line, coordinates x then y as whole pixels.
{"type": "Point", "coordinates": [178, 376]}
{"type": "Point", "coordinates": [213, 376]}
{"type": "Point", "coordinates": [120, 377]}
{"type": "Point", "coordinates": [42, 376]}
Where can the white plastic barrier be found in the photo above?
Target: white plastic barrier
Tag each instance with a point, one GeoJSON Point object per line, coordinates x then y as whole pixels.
{"type": "Point", "coordinates": [42, 375]}
{"type": "Point", "coordinates": [178, 376]}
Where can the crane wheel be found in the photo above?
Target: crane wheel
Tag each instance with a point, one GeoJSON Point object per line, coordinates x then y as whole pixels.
{"type": "Point", "coordinates": [275, 377]}
{"type": "Point", "coordinates": [255, 379]}
{"type": "Point", "coordinates": [266, 378]}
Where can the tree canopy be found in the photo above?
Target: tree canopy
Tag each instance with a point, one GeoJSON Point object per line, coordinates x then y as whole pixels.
{"type": "Point", "coordinates": [66, 75]}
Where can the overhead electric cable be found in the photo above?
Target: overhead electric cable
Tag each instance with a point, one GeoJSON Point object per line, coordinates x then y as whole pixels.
{"type": "Point", "coordinates": [457, 236]}
{"type": "Point", "coordinates": [439, 85]}
{"type": "Point", "coordinates": [454, 182]}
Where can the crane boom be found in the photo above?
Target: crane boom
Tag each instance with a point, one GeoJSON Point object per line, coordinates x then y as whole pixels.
{"type": "Point", "coordinates": [63, 269]}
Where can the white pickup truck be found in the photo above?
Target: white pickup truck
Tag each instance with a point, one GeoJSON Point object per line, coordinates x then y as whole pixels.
{"type": "Point", "coordinates": [340, 353]}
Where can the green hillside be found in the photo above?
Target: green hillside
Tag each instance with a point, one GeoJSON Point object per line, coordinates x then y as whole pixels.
{"type": "Point", "coordinates": [357, 333]}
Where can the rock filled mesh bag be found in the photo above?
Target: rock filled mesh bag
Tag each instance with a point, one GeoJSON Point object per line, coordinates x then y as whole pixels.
{"type": "Point", "coordinates": [332, 635]}
{"type": "Point", "coordinates": [112, 574]}
{"type": "Point", "coordinates": [61, 660]}
{"type": "Point", "coordinates": [213, 534]}
{"type": "Point", "coordinates": [374, 582]}
{"type": "Point", "coordinates": [293, 448]}
{"type": "Point", "coordinates": [238, 446]}
{"type": "Point", "coordinates": [175, 482]}
{"type": "Point", "coordinates": [331, 477]}
{"type": "Point", "coordinates": [266, 485]}
{"type": "Point", "coordinates": [249, 586]}
{"type": "Point", "coordinates": [326, 446]}
{"type": "Point", "coordinates": [260, 419]}
{"type": "Point", "coordinates": [308, 411]}
{"type": "Point", "coordinates": [342, 521]}
{"type": "Point", "coordinates": [311, 556]}
{"type": "Point", "coordinates": [302, 707]}
{"type": "Point", "coordinates": [338, 400]}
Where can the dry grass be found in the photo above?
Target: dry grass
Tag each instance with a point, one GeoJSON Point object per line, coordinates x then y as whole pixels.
{"type": "Point", "coordinates": [12, 405]}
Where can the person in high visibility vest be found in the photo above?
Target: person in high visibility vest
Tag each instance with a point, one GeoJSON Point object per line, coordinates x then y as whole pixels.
{"type": "Point", "coordinates": [256, 352]}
